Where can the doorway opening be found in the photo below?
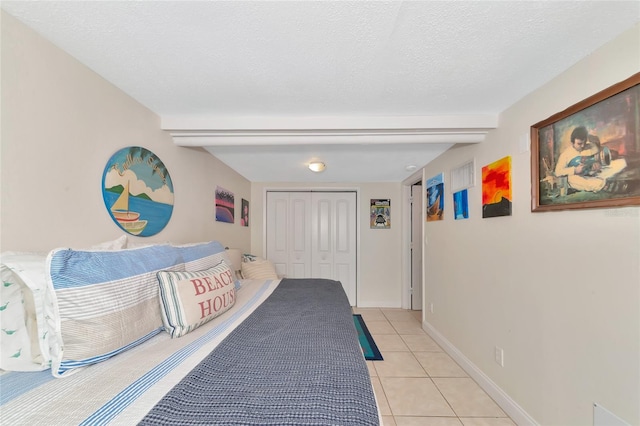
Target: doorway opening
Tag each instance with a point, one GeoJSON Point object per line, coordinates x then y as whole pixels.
{"type": "Point", "coordinates": [412, 241]}
{"type": "Point", "coordinates": [416, 246]}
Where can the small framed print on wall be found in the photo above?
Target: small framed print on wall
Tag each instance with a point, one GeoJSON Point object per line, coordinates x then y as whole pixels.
{"type": "Point", "coordinates": [435, 198]}
{"type": "Point", "coordinates": [380, 217]}
{"type": "Point", "coordinates": [225, 207]}
{"type": "Point", "coordinates": [244, 213]}
{"type": "Point", "coordinates": [496, 188]}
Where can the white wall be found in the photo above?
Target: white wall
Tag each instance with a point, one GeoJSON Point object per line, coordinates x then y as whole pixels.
{"type": "Point", "coordinates": [558, 291]}
{"type": "Point", "coordinates": [379, 256]}
{"type": "Point", "coordinates": [61, 123]}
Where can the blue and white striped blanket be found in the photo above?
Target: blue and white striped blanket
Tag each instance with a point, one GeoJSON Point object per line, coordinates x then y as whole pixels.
{"type": "Point", "coordinates": [295, 361]}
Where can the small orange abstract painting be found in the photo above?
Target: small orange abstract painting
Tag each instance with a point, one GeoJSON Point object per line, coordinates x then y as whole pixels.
{"type": "Point", "coordinates": [496, 188]}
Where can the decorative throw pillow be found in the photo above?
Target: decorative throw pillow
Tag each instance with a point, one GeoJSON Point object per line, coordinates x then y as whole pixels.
{"type": "Point", "coordinates": [190, 299]}
{"type": "Point", "coordinates": [259, 269]}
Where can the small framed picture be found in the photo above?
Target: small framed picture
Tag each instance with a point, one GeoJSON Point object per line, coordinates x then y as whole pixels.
{"type": "Point", "coordinates": [380, 217]}
{"type": "Point", "coordinates": [244, 213]}
{"type": "Point", "coordinates": [225, 207]}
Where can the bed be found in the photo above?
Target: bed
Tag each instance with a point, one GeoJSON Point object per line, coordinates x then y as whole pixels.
{"type": "Point", "coordinates": [285, 352]}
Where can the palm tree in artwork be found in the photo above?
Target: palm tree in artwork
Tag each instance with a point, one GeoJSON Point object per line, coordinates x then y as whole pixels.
{"type": "Point", "coordinates": [157, 166]}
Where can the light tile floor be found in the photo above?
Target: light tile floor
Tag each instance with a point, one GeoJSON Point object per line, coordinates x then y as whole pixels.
{"type": "Point", "coordinates": [418, 383]}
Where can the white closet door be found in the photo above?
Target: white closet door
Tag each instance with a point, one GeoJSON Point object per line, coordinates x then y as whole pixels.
{"type": "Point", "coordinates": [299, 235]}
{"type": "Point", "coordinates": [333, 253]}
{"type": "Point", "coordinates": [313, 235]}
{"type": "Point", "coordinates": [289, 233]}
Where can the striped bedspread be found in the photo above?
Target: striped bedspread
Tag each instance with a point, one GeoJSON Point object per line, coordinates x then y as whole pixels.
{"type": "Point", "coordinates": [295, 361]}
{"type": "Point", "coordinates": [127, 387]}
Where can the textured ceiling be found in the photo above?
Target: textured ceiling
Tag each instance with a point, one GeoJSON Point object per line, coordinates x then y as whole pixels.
{"type": "Point", "coordinates": [255, 60]}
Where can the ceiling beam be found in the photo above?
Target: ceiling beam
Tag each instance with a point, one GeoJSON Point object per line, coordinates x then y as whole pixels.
{"type": "Point", "coordinates": [220, 131]}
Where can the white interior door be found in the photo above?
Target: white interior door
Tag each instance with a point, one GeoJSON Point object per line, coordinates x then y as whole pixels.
{"type": "Point", "coordinates": [416, 247]}
{"type": "Point", "coordinates": [313, 235]}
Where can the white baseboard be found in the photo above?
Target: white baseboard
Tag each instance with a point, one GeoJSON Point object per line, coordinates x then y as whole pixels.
{"type": "Point", "coordinates": [508, 405]}
{"type": "Point", "coordinates": [385, 304]}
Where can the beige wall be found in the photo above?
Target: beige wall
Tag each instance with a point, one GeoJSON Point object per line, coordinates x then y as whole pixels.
{"type": "Point", "coordinates": [60, 125]}
{"type": "Point", "coordinates": [558, 291]}
{"type": "Point", "coordinates": [379, 257]}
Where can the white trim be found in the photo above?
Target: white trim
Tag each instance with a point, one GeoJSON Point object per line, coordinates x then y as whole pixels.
{"type": "Point", "coordinates": [296, 130]}
{"type": "Point", "coordinates": [380, 304]}
{"type": "Point", "coordinates": [517, 413]}
{"type": "Point", "coordinates": [315, 137]}
{"type": "Point", "coordinates": [406, 239]}
{"type": "Point", "coordinates": [434, 123]}
{"type": "Point", "coordinates": [405, 249]}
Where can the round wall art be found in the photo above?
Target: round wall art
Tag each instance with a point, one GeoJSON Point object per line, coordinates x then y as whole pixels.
{"type": "Point", "coordinates": [137, 191]}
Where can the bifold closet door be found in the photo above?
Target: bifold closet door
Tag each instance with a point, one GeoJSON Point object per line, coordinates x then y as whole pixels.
{"type": "Point", "coordinates": [313, 235]}
{"type": "Point", "coordinates": [333, 239]}
{"type": "Point", "coordinates": [289, 233]}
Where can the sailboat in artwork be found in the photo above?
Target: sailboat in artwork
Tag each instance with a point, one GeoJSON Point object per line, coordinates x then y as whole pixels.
{"type": "Point", "coordinates": [127, 219]}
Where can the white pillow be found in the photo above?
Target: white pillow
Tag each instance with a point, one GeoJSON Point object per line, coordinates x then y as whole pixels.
{"type": "Point", "coordinates": [23, 346]}
{"type": "Point", "coordinates": [192, 298]}
{"type": "Point", "coordinates": [117, 244]}
{"type": "Point", "coordinates": [259, 269]}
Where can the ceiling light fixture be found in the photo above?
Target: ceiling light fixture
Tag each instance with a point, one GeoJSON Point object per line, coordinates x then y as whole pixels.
{"type": "Point", "coordinates": [317, 166]}
{"type": "Point", "coordinates": [411, 167]}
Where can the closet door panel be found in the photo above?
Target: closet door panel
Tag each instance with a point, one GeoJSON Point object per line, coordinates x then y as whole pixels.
{"type": "Point", "coordinates": [343, 240]}
{"type": "Point", "coordinates": [277, 231]}
{"type": "Point", "coordinates": [322, 236]}
{"type": "Point", "coordinates": [324, 270]}
{"type": "Point", "coordinates": [299, 270]}
{"type": "Point", "coordinates": [299, 235]}
{"type": "Point", "coordinates": [344, 250]}
{"type": "Point", "coordinates": [343, 273]}
{"type": "Point", "coordinates": [299, 226]}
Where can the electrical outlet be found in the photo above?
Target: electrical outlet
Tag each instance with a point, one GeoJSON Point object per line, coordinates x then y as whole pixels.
{"type": "Point", "coordinates": [499, 356]}
{"type": "Point", "coordinates": [431, 307]}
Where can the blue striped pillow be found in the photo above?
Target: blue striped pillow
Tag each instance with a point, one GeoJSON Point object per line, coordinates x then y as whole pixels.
{"type": "Point", "coordinates": [104, 302]}
{"type": "Point", "coordinates": [200, 256]}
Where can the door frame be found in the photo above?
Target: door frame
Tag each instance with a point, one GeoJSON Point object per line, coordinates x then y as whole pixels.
{"type": "Point", "coordinates": [418, 176]}
{"type": "Point", "coordinates": [316, 189]}
{"type": "Point", "coordinates": [417, 248]}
